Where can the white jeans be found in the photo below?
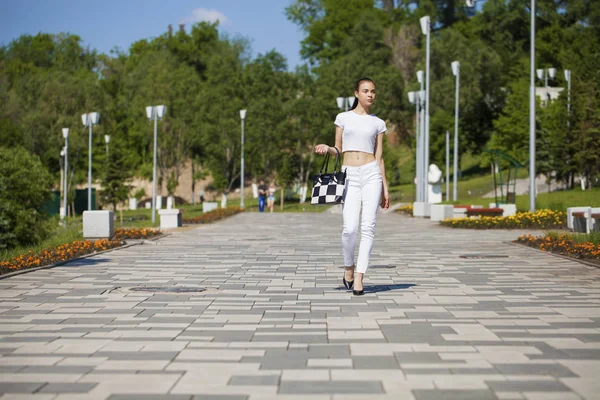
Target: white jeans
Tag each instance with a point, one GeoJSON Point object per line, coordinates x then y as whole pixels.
{"type": "Point", "coordinates": [363, 187]}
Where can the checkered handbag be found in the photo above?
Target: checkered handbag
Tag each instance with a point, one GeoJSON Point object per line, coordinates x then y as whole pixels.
{"type": "Point", "coordinates": [329, 187]}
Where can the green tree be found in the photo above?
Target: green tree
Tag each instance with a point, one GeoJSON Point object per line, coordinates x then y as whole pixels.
{"type": "Point", "coordinates": [24, 189]}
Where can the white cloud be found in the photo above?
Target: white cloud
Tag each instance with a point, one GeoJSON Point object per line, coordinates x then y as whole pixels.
{"type": "Point", "coordinates": [203, 14]}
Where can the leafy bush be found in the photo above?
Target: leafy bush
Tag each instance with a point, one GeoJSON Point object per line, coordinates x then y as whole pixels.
{"type": "Point", "coordinates": [24, 188]}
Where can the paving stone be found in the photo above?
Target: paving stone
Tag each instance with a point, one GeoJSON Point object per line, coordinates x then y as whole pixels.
{"type": "Point", "coordinates": [530, 386]}
{"type": "Point", "coordinates": [454, 395]}
{"type": "Point", "coordinates": [19, 387]}
{"type": "Point", "coordinates": [255, 380]}
{"type": "Point", "coordinates": [67, 388]}
{"type": "Point", "coordinates": [320, 387]}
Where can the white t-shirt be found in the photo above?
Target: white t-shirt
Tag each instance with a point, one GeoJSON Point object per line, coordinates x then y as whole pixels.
{"type": "Point", "coordinates": [359, 131]}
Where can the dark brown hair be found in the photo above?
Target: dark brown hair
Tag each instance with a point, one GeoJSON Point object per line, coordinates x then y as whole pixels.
{"type": "Point", "coordinates": [361, 80]}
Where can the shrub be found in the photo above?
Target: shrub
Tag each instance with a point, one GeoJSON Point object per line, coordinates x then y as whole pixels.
{"type": "Point", "coordinates": [24, 188]}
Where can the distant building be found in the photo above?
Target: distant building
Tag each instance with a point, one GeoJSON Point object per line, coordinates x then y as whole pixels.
{"type": "Point", "coordinates": [547, 94]}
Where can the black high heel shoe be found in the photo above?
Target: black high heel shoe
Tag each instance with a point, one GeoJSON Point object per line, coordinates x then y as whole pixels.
{"type": "Point", "coordinates": [347, 284]}
{"type": "Point", "coordinates": [358, 292]}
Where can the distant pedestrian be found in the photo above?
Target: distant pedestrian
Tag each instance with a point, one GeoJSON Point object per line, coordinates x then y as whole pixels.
{"type": "Point", "coordinates": [262, 195]}
{"type": "Point", "coordinates": [359, 136]}
{"type": "Point", "coordinates": [271, 197]}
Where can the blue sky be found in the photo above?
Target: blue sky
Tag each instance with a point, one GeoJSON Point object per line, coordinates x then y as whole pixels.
{"type": "Point", "coordinates": [104, 24]}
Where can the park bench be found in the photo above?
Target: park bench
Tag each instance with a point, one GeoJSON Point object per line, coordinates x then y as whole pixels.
{"type": "Point", "coordinates": [485, 212]}
{"type": "Point", "coordinates": [586, 221]}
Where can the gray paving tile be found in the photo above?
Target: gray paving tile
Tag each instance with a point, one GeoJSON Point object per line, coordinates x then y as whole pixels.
{"type": "Point", "coordinates": [67, 388]}
{"type": "Point", "coordinates": [331, 387]}
{"type": "Point", "coordinates": [20, 387]}
{"type": "Point", "coordinates": [427, 394]}
{"type": "Point", "coordinates": [255, 380]}
{"type": "Point", "coordinates": [530, 386]}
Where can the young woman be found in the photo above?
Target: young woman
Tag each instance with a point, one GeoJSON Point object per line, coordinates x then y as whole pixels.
{"type": "Point", "coordinates": [271, 197]}
{"type": "Point", "coordinates": [359, 136]}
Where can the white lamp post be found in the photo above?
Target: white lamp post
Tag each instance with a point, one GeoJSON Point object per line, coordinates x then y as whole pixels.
{"type": "Point", "coordinates": [447, 165]}
{"type": "Point", "coordinates": [421, 187]}
{"type": "Point", "coordinates": [107, 141]}
{"type": "Point", "coordinates": [568, 78]}
{"type": "Point", "coordinates": [413, 98]}
{"type": "Point", "coordinates": [243, 117]}
{"type": "Point", "coordinates": [155, 113]}
{"type": "Point", "coordinates": [532, 114]}
{"type": "Point", "coordinates": [426, 29]}
{"type": "Point", "coordinates": [65, 133]}
{"type": "Point", "coordinates": [90, 120]}
{"type": "Point", "coordinates": [456, 72]}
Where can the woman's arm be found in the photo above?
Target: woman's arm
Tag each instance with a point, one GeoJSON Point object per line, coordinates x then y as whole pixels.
{"type": "Point", "coordinates": [323, 148]}
{"type": "Point", "coordinates": [385, 197]}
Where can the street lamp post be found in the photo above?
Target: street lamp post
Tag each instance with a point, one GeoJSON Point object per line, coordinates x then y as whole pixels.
{"type": "Point", "coordinates": [413, 98]}
{"type": "Point", "coordinates": [65, 133]}
{"type": "Point", "coordinates": [243, 117]}
{"type": "Point", "coordinates": [426, 29]}
{"type": "Point", "coordinates": [155, 113]}
{"type": "Point", "coordinates": [107, 141]}
{"type": "Point", "coordinates": [447, 165]}
{"type": "Point", "coordinates": [421, 187]}
{"type": "Point", "coordinates": [456, 72]}
{"type": "Point", "coordinates": [568, 78]}
{"type": "Point", "coordinates": [90, 120]}
{"type": "Point", "coordinates": [532, 114]}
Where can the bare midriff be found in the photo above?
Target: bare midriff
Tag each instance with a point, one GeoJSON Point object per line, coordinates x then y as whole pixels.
{"type": "Point", "coordinates": [357, 158]}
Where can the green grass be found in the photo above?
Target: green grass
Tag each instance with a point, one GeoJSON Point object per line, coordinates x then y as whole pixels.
{"type": "Point", "coordinates": [61, 235]}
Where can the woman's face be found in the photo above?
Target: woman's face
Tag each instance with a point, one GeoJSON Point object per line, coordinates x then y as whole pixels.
{"type": "Point", "coordinates": [365, 94]}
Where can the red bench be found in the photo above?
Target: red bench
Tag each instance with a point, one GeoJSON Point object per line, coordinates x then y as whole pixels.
{"type": "Point", "coordinates": [485, 212]}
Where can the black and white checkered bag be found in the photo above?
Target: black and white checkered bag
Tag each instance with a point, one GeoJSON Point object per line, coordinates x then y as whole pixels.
{"type": "Point", "coordinates": [329, 187]}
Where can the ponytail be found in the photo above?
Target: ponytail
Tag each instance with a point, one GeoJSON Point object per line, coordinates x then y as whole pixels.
{"type": "Point", "coordinates": [357, 86]}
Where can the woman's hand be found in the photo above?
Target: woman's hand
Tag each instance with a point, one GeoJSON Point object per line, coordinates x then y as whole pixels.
{"type": "Point", "coordinates": [385, 198]}
{"type": "Point", "coordinates": [321, 149]}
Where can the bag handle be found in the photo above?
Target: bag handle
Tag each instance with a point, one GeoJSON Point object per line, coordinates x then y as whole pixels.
{"type": "Point", "coordinates": [336, 166]}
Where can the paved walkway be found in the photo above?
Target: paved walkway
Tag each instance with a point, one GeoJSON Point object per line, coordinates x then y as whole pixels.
{"type": "Point", "coordinates": [275, 324]}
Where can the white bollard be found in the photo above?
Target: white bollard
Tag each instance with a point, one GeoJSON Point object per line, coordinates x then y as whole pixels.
{"type": "Point", "coordinates": [133, 203]}
{"type": "Point", "coordinates": [440, 212]}
{"type": "Point", "coordinates": [98, 224]}
{"type": "Point", "coordinates": [170, 218]}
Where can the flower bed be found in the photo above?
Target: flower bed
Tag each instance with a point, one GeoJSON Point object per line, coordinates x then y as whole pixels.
{"type": "Point", "coordinates": [214, 215]}
{"type": "Point", "coordinates": [76, 248]}
{"type": "Point", "coordinates": [408, 209]}
{"type": "Point", "coordinates": [135, 233]}
{"type": "Point", "coordinates": [542, 219]}
{"type": "Point", "coordinates": [563, 244]}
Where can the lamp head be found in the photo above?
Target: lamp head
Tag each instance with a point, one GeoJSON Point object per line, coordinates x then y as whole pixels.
{"type": "Point", "coordinates": [243, 114]}
{"type": "Point", "coordinates": [340, 102]}
{"type": "Point", "coordinates": [65, 132]}
{"type": "Point", "coordinates": [422, 96]}
{"type": "Point", "coordinates": [455, 68]}
{"type": "Point", "coordinates": [107, 138]}
{"type": "Point", "coordinates": [420, 76]}
{"type": "Point", "coordinates": [84, 119]}
{"type": "Point", "coordinates": [425, 24]}
{"type": "Point", "coordinates": [351, 101]}
{"type": "Point", "coordinates": [540, 73]}
{"type": "Point", "coordinates": [62, 152]}
{"type": "Point", "coordinates": [411, 97]}
{"type": "Point", "coordinates": [161, 110]}
{"type": "Point", "coordinates": [95, 117]}
{"type": "Point", "coordinates": [568, 74]}
{"type": "Point", "coordinates": [552, 72]}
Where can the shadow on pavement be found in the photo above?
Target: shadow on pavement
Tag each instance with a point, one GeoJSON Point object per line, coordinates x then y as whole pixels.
{"type": "Point", "coordinates": [383, 288]}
